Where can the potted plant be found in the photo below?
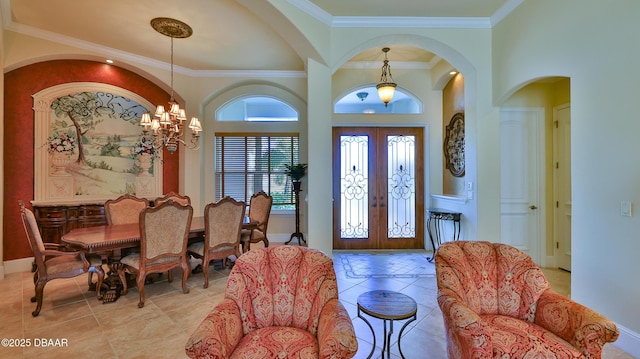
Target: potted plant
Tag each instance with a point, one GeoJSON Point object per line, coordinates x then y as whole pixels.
{"type": "Point", "coordinates": [296, 172]}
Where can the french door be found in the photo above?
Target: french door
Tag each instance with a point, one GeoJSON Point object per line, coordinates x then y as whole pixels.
{"type": "Point", "coordinates": [378, 188]}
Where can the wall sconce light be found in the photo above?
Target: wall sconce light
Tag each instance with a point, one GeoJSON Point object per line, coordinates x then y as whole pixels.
{"type": "Point", "coordinates": [386, 87]}
{"type": "Point", "coordinates": [362, 95]}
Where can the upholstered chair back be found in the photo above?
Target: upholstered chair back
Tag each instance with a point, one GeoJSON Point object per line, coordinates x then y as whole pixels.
{"type": "Point", "coordinates": [163, 233]}
{"type": "Point", "coordinates": [223, 223]}
{"type": "Point", "coordinates": [282, 286]}
{"type": "Point", "coordinates": [260, 209]}
{"type": "Point", "coordinates": [33, 234]}
{"type": "Point", "coordinates": [178, 198]}
{"type": "Point", "coordinates": [124, 209]}
{"type": "Point", "coordinates": [491, 278]}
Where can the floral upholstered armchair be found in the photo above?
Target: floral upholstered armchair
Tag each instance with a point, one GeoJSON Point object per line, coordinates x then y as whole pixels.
{"type": "Point", "coordinates": [497, 303]}
{"type": "Point", "coordinates": [280, 302]}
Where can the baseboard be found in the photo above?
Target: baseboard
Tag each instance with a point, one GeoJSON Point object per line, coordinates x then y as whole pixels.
{"type": "Point", "coordinates": [629, 341]}
{"type": "Point", "coordinates": [18, 265]}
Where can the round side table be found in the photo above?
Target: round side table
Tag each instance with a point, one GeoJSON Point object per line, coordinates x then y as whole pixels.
{"type": "Point", "coordinates": [388, 306]}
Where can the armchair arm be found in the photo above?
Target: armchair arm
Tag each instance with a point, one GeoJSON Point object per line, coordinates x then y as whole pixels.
{"type": "Point", "coordinates": [584, 328]}
{"type": "Point", "coordinates": [336, 336]}
{"type": "Point", "coordinates": [218, 334]}
{"type": "Point", "coordinates": [54, 253]}
{"type": "Point", "coordinates": [466, 334]}
{"type": "Point", "coordinates": [51, 245]}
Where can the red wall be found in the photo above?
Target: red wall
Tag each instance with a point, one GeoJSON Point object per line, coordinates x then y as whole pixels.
{"type": "Point", "coordinates": [18, 141]}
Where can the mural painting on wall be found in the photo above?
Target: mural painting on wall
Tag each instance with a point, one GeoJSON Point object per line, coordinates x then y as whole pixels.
{"type": "Point", "coordinates": [95, 148]}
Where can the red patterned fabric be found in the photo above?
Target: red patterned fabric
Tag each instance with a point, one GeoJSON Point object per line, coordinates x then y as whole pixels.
{"type": "Point", "coordinates": [280, 302]}
{"type": "Point", "coordinates": [497, 303]}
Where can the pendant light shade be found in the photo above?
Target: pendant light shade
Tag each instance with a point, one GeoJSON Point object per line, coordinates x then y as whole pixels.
{"type": "Point", "coordinates": [386, 87]}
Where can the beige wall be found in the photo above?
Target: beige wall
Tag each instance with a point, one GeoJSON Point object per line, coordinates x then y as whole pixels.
{"type": "Point", "coordinates": [548, 38]}
{"type": "Point", "coordinates": [452, 103]}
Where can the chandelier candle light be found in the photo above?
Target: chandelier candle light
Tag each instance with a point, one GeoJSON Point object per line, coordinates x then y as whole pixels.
{"type": "Point", "coordinates": [168, 126]}
{"type": "Point", "coordinates": [386, 87]}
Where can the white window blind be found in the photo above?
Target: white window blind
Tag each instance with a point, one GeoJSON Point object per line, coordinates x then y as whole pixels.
{"type": "Point", "coordinates": [247, 163]}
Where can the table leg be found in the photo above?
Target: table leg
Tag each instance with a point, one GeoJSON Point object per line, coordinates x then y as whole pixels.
{"type": "Point", "coordinates": [456, 230]}
{"type": "Point", "coordinates": [400, 334]}
{"type": "Point", "coordinates": [373, 348]}
{"type": "Point", "coordinates": [387, 338]}
{"type": "Point", "coordinates": [433, 243]}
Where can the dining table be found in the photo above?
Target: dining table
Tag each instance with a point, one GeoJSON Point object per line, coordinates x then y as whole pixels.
{"type": "Point", "coordinates": [113, 239]}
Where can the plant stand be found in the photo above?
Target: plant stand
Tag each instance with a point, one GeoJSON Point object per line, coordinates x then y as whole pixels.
{"type": "Point", "coordinates": [297, 234]}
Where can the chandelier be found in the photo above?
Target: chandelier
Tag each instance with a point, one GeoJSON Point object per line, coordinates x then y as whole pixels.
{"type": "Point", "coordinates": [386, 87]}
{"type": "Point", "coordinates": [166, 128]}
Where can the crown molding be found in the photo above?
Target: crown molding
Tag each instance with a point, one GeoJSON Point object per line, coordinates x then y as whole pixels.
{"type": "Point", "coordinates": [504, 10]}
{"type": "Point", "coordinates": [404, 65]}
{"type": "Point", "coordinates": [313, 10]}
{"type": "Point", "coordinates": [412, 22]}
{"type": "Point", "coordinates": [404, 22]}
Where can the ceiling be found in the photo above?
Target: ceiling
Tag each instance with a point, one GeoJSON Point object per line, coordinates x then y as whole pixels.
{"type": "Point", "coordinates": [227, 34]}
{"type": "Point", "coordinates": [422, 8]}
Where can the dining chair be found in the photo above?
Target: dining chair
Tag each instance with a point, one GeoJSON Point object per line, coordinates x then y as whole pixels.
{"type": "Point", "coordinates": [53, 263]}
{"type": "Point", "coordinates": [259, 211]}
{"type": "Point", "coordinates": [164, 231]}
{"type": "Point", "coordinates": [183, 200]}
{"type": "Point", "coordinates": [124, 209]}
{"type": "Point", "coordinates": [222, 228]}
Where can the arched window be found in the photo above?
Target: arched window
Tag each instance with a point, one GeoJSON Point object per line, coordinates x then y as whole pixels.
{"type": "Point", "coordinates": [257, 108]}
{"type": "Point", "coordinates": [253, 159]}
{"type": "Point", "coordinates": [366, 100]}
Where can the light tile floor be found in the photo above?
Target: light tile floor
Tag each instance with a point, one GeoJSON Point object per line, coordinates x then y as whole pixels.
{"type": "Point", "coordinates": [92, 329]}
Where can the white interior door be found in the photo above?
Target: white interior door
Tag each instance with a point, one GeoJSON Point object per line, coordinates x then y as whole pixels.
{"type": "Point", "coordinates": [520, 179]}
{"type": "Point", "coordinates": [562, 186]}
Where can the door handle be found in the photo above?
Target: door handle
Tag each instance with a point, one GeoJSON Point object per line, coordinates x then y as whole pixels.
{"type": "Point", "coordinates": [382, 203]}
{"type": "Point", "coordinates": [375, 203]}
{"type": "Point", "coordinates": [533, 207]}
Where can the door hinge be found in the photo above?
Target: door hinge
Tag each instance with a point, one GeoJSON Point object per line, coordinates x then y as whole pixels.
{"type": "Point", "coordinates": [557, 165]}
{"type": "Point", "coordinates": [557, 245]}
{"type": "Point", "coordinates": [557, 204]}
{"type": "Point", "coordinates": [556, 123]}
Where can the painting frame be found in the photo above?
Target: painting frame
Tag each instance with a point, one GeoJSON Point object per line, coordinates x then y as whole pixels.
{"type": "Point", "coordinates": [93, 170]}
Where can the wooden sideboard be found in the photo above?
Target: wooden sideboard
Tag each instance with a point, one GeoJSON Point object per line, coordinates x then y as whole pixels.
{"type": "Point", "coordinates": [56, 220]}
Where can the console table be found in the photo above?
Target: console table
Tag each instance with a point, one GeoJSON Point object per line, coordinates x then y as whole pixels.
{"type": "Point", "coordinates": [434, 226]}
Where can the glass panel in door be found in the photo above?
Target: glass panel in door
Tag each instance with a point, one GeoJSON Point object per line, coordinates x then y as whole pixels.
{"type": "Point", "coordinates": [378, 188]}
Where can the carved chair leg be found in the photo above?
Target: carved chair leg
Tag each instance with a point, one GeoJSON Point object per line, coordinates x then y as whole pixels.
{"type": "Point", "coordinates": [100, 272]}
{"type": "Point", "coordinates": [38, 297]}
{"type": "Point", "coordinates": [140, 283]}
{"type": "Point", "coordinates": [185, 276]}
{"type": "Point", "coordinates": [123, 278]}
{"type": "Point", "coordinates": [205, 271]}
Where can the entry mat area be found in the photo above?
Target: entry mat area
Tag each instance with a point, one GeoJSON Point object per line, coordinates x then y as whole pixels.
{"type": "Point", "coordinates": [387, 265]}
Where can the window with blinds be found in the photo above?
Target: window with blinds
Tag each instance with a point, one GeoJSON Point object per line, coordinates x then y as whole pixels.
{"type": "Point", "coordinates": [247, 163]}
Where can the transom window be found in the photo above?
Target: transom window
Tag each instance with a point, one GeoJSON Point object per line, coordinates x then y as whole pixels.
{"type": "Point", "coordinates": [246, 163]}
{"type": "Point", "coordinates": [257, 109]}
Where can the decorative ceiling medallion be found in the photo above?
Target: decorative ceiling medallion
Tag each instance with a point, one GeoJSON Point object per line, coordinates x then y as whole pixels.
{"type": "Point", "coordinates": [171, 27]}
{"type": "Point", "coordinates": [454, 145]}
